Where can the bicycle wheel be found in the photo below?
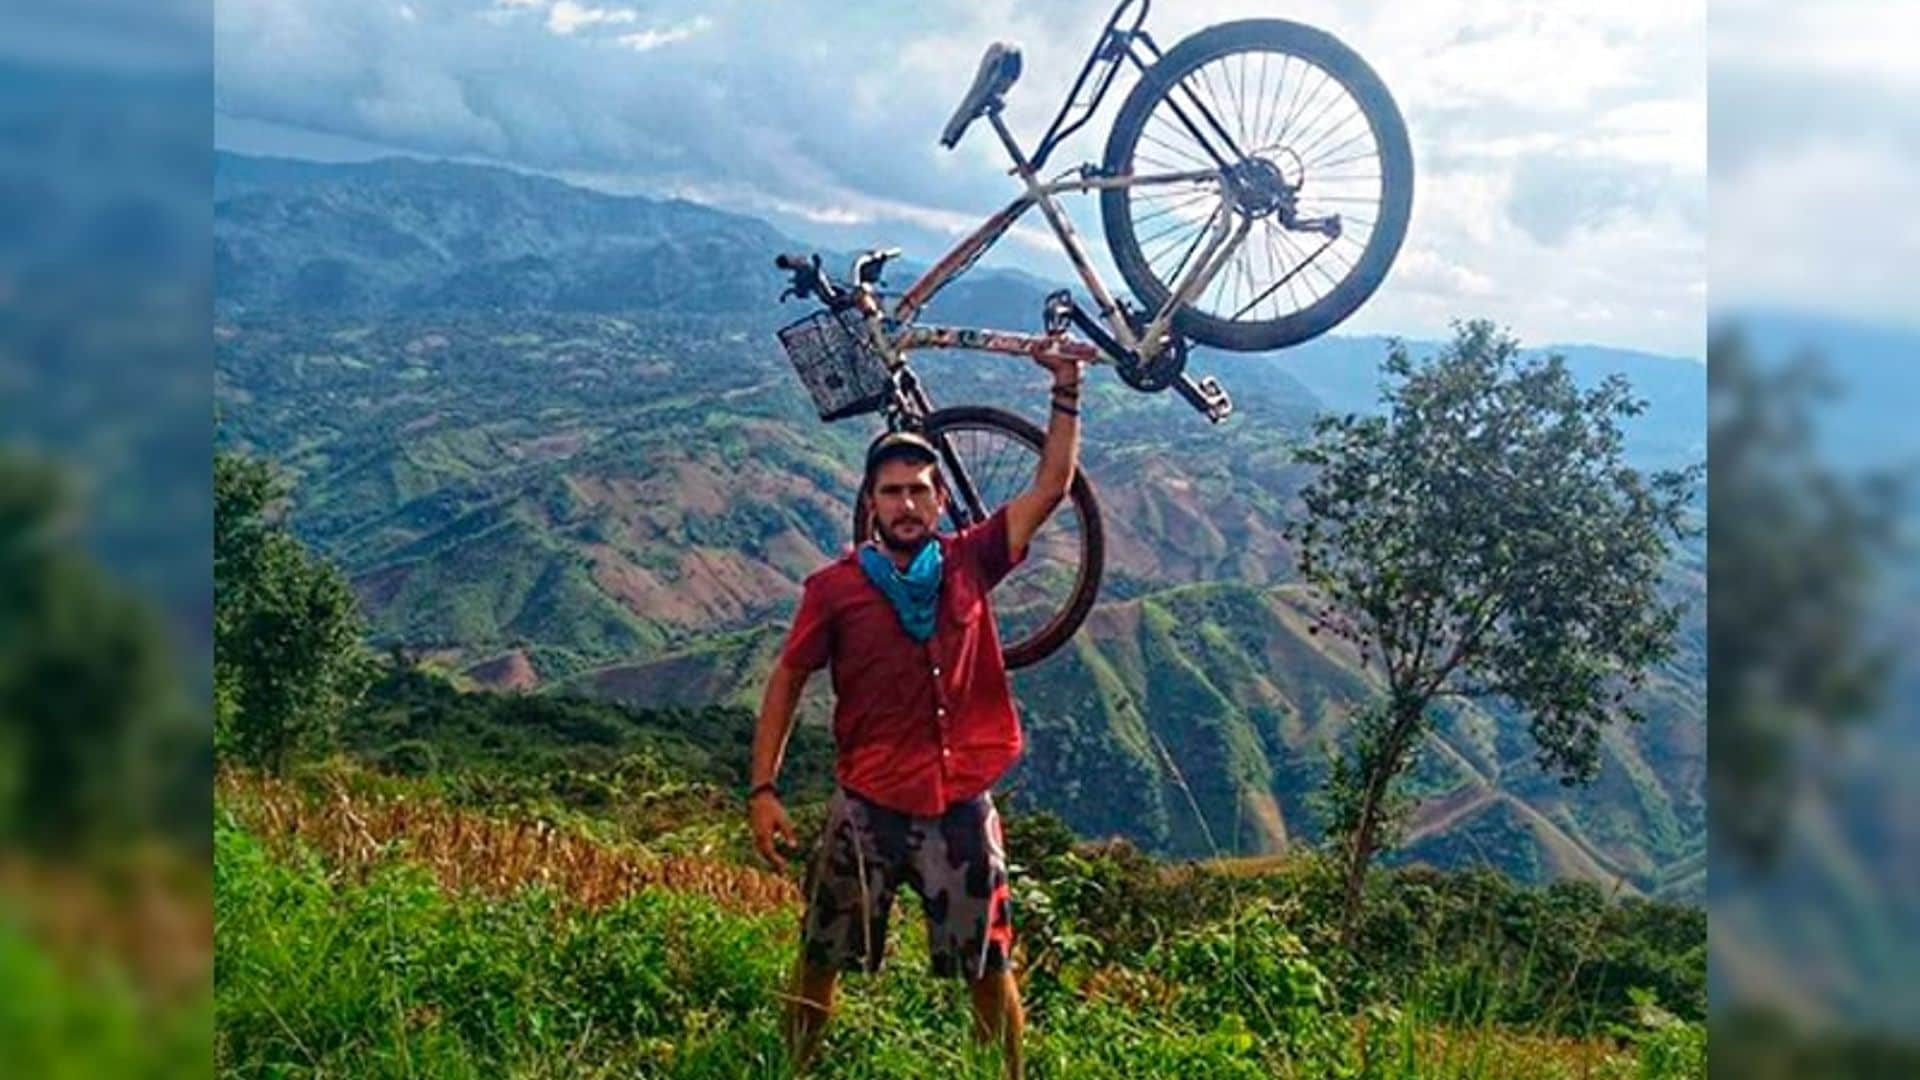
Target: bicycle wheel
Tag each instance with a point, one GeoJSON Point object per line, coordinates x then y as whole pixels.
{"type": "Point", "coordinates": [989, 457]}
{"type": "Point", "coordinates": [1303, 133]}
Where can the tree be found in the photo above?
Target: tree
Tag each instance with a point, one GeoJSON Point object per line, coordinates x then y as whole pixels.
{"type": "Point", "coordinates": [288, 659]}
{"type": "Point", "coordinates": [94, 732]}
{"type": "Point", "coordinates": [1484, 539]}
{"type": "Point", "coordinates": [1800, 547]}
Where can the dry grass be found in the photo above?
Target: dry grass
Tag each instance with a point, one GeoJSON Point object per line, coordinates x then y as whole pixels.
{"type": "Point", "coordinates": [467, 851]}
{"type": "Point", "coordinates": [146, 912]}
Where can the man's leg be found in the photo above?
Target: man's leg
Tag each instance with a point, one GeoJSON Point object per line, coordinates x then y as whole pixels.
{"type": "Point", "coordinates": [849, 891]}
{"type": "Point", "coordinates": [808, 1010]}
{"type": "Point", "coordinates": [960, 871]}
{"type": "Point", "coordinates": [997, 1016]}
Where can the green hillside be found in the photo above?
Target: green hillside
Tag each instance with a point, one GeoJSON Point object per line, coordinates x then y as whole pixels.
{"type": "Point", "coordinates": [624, 500]}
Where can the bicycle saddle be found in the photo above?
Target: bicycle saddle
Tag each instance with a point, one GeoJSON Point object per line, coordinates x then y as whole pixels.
{"type": "Point", "coordinates": [999, 68]}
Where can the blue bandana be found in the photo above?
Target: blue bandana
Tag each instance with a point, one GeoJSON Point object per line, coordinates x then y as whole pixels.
{"type": "Point", "coordinates": [914, 593]}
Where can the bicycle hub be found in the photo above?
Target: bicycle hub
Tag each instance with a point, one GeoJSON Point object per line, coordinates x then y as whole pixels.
{"type": "Point", "coordinates": [1259, 188]}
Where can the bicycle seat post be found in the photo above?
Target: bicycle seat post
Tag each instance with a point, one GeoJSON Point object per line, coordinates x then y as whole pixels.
{"type": "Point", "coordinates": [1020, 166]}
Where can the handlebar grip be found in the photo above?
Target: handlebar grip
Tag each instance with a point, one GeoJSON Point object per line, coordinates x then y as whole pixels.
{"type": "Point", "coordinates": [793, 261]}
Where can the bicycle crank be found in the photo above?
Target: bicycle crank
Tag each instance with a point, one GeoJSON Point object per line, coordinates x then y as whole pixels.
{"type": "Point", "coordinates": [1165, 370]}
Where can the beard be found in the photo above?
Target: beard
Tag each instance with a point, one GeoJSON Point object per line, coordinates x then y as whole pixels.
{"type": "Point", "coordinates": [900, 544]}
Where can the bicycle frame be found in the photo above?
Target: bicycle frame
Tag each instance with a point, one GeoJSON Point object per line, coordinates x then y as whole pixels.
{"type": "Point", "coordinates": [1145, 344]}
{"type": "Point", "coordinates": [895, 334]}
{"type": "Point", "coordinates": [1117, 42]}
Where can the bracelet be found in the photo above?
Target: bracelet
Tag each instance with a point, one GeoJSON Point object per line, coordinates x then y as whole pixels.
{"type": "Point", "coordinates": [1072, 387]}
{"type": "Point", "coordinates": [1068, 409]}
{"type": "Point", "coordinates": [763, 789]}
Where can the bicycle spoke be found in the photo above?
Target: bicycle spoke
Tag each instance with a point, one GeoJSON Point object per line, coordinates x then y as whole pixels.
{"type": "Point", "coordinates": [1170, 208]}
{"type": "Point", "coordinates": [1260, 96]}
{"type": "Point", "coordinates": [1300, 107]}
{"type": "Point", "coordinates": [1239, 95]}
{"type": "Point", "coordinates": [1176, 151]}
{"type": "Point", "coordinates": [1308, 263]}
{"type": "Point", "coordinates": [1308, 146]}
{"type": "Point", "coordinates": [1310, 126]}
{"type": "Point", "coordinates": [1344, 161]}
{"type": "Point", "coordinates": [1157, 193]}
{"type": "Point", "coordinates": [1173, 228]}
{"type": "Point", "coordinates": [1276, 262]}
{"type": "Point", "coordinates": [1198, 236]}
{"type": "Point", "coordinates": [1279, 95]}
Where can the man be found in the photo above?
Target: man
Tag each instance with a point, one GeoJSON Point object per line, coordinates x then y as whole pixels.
{"type": "Point", "coordinates": [923, 726]}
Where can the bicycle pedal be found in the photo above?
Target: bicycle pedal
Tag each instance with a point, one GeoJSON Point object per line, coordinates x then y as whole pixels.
{"type": "Point", "coordinates": [1207, 396]}
{"type": "Point", "coordinates": [1057, 314]}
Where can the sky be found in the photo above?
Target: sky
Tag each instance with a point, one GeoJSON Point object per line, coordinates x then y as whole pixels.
{"type": "Point", "coordinates": [1560, 148]}
{"type": "Point", "coordinates": [1815, 158]}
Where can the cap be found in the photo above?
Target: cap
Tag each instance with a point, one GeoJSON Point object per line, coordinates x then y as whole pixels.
{"type": "Point", "coordinates": [896, 445]}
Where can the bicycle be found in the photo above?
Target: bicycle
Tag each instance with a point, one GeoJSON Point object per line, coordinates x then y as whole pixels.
{"type": "Point", "coordinates": [1276, 161]}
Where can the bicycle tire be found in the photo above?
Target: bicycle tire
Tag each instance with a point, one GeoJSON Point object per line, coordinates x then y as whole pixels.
{"type": "Point", "coordinates": [1386, 231]}
{"type": "Point", "coordinates": [1032, 646]}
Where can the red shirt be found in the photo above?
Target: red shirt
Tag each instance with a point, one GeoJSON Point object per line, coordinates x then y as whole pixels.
{"type": "Point", "coordinates": [916, 727]}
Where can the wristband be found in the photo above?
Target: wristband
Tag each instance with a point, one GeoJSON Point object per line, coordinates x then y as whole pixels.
{"type": "Point", "coordinates": [763, 789]}
{"type": "Point", "coordinates": [1068, 409]}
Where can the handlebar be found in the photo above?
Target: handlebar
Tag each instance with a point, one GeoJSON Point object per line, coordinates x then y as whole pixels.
{"type": "Point", "coordinates": [807, 278]}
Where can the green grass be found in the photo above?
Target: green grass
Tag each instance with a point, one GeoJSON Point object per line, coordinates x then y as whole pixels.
{"type": "Point", "coordinates": [380, 973]}
{"type": "Point", "coordinates": [56, 1022]}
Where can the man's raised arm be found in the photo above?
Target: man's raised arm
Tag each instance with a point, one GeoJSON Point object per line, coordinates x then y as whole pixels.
{"type": "Point", "coordinates": [1027, 511]}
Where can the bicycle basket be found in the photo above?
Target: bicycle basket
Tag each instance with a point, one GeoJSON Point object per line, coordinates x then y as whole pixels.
{"type": "Point", "coordinates": [840, 368]}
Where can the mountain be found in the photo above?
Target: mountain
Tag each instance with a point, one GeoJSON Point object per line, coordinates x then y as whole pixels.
{"type": "Point", "coordinates": [1344, 374]}
{"type": "Point", "coordinates": [1830, 930]}
{"type": "Point", "coordinates": [398, 234]}
{"type": "Point", "coordinates": [621, 491]}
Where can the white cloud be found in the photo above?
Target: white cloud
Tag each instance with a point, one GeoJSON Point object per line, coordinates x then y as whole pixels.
{"type": "Point", "coordinates": [1815, 164]}
{"type": "Point", "coordinates": [565, 16]}
{"type": "Point", "coordinates": [650, 39]}
{"type": "Point", "coordinates": [823, 118]}
{"type": "Point", "coordinates": [1828, 226]}
{"type": "Point", "coordinates": [1422, 270]}
{"type": "Point", "coordinates": [1863, 40]}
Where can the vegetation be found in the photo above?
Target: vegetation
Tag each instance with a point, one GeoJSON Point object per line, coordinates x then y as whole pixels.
{"type": "Point", "coordinates": [369, 927]}
{"type": "Point", "coordinates": [534, 499]}
{"type": "Point", "coordinates": [1800, 554]}
{"type": "Point", "coordinates": [95, 736]}
{"type": "Point", "coordinates": [543, 469]}
{"type": "Point", "coordinates": [105, 946]}
{"type": "Point", "coordinates": [288, 658]}
{"type": "Point", "coordinates": [1484, 539]}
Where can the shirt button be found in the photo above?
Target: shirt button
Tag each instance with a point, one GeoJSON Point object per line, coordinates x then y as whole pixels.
{"type": "Point", "coordinates": [936, 671]}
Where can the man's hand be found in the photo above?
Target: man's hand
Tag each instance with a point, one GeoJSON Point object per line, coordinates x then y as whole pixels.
{"type": "Point", "coordinates": [769, 821]}
{"type": "Point", "coordinates": [1066, 369]}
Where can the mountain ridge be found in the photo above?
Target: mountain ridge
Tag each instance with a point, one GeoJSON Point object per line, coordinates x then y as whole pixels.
{"type": "Point", "coordinates": [551, 488]}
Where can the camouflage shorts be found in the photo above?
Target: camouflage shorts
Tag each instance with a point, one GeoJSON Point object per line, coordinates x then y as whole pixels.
{"type": "Point", "coordinates": [957, 864]}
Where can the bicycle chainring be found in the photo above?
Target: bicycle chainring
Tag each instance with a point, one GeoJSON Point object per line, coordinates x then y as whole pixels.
{"type": "Point", "coordinates": [1159, 373]}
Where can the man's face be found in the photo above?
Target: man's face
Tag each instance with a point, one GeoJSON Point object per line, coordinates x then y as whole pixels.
{"type": "Point", "coordinates": [907, 501]}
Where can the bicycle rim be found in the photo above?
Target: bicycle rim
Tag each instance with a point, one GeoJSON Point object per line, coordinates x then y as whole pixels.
{"type": "Point", "coordinates": [1288, 107]}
